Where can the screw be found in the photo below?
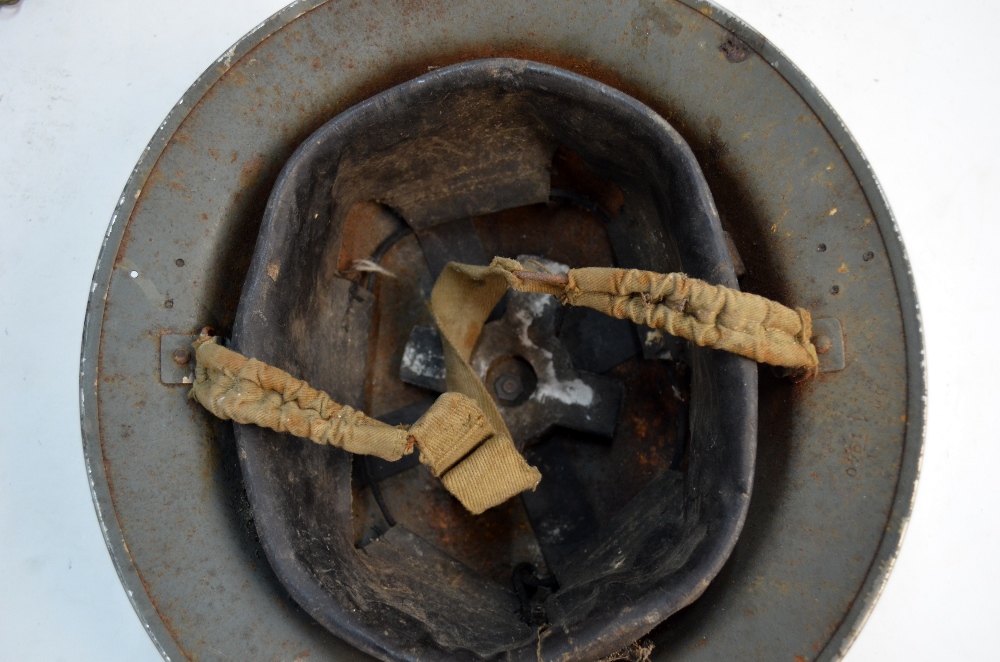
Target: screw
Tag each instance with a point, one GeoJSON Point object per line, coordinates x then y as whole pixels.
{"type": "Point", "coordinates": [823, 343]}
{"type": "Point", "coordinates": [182, 356]}
{"type": "Point", "coordinates": [508, 387]}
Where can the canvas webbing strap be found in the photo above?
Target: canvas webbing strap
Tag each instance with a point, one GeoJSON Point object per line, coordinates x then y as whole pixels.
{"type": "Point", "coordinates": [708, 315]}
{"type": "Point", "coordinates": [462, 438]}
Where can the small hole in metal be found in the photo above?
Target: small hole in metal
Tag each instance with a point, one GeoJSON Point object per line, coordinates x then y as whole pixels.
{"type": "Point", "coordinates": [821, 248]}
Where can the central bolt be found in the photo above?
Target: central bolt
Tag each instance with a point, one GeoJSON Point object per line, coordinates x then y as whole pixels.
{"type": "Point", "coordinates": [508, 387]}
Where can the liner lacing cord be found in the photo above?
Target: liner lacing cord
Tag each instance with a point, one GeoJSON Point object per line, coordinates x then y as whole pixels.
{"type": "Point", "coordinates": [462, 438]}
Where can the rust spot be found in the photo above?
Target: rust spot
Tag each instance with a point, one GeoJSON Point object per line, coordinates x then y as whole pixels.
{"type": "Point", "coordinates": [251, 171]}
{"type": "Point", "coordinates": [584, 66]}
{"type": "Point", "coordinates": [168, 622]}
{"type": "Point", "coordinates": [648, 440]}
{"type": "Point", "coordinates": [653, 18]}
{"type": "Point", "coordinates": [126, 240]}
{"type": "Point", "coordinates": [562, 230]}
{"type": "Point", "coordinates": [570, 172]}
{"type": "Point", "coordinates": [491, 543]}
{"type": "Point", "coordinates": [236, 76]}
{"type": "Point", "coordinates": [563, 233]}
{"type": "Point", "coordinates": [735, 50]}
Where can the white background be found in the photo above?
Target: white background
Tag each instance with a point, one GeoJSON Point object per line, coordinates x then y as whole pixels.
{"type": "Point", "coordinates": [85, 84]}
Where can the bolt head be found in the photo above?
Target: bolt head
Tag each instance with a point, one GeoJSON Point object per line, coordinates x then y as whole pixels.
{"type": "Point", "coordinates": [508, 387]}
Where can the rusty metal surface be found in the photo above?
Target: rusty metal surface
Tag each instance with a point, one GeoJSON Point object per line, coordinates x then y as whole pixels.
{"type": "Point", "coordinates": [837, 455]}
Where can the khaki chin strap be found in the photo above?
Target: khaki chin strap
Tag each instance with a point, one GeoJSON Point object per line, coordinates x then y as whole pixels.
{"type": "Point", "coordinates": [708, 315]}
{"type": "Point", "coordinates": [462, 438]}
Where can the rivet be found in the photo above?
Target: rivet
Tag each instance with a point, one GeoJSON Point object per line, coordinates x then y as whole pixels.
{"type": "Point", "coordinates": [823, 343]}
{"type": "Point", "coordinates": [182, 356]}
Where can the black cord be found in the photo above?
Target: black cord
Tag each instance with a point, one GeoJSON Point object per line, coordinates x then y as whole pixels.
{"type": "Point", "coordinates": [385, 246]}
{"type": "Point", "coordinates": [369, 284]}
{"type": "Point", "coordinates": [376, 491]}
{"type": "Point", "coordinates": [579, 201]}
